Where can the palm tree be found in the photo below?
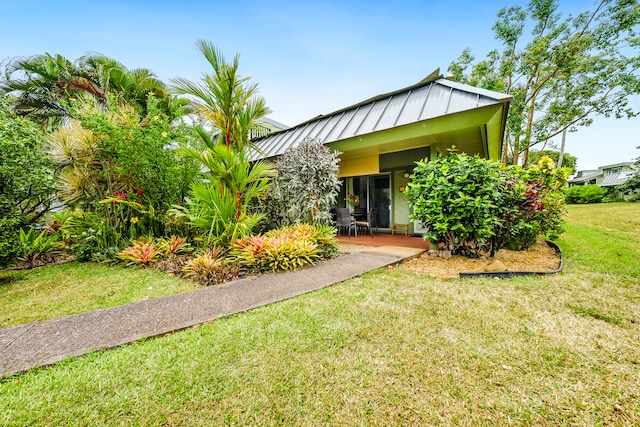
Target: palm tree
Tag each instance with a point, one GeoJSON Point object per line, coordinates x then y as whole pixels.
{"type": "Point", "coordinates": [131, 86]}
{"type": "Point", "coordinates": [230, 168]}
{"type": "Point", "coordinates": [224, 97]}
{"type": "Point", "coordinates": [41, 82]}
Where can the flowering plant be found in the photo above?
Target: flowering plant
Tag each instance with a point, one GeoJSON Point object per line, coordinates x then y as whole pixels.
{"type": "Point", "coordinates": [353, 200]}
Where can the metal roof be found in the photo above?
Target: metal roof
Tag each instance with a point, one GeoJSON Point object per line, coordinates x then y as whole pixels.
{"type": "Point", "coordinates": [431, 98]}
{"type": "Point", "coordinates": [586, 177]}
{"type": "Point", "coordinates": [608, 179]}
{"type": "Point", "coordinates": [616, 178]}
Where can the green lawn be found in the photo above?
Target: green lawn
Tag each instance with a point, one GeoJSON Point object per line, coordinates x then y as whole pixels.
{"type": "Point", "coordinates": [388, 348]}
{"type": "Point", "coordinates": [63, 289]}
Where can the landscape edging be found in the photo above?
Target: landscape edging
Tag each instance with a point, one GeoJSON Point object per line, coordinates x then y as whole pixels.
{"type": "Point", "coordinates": [508, 274]}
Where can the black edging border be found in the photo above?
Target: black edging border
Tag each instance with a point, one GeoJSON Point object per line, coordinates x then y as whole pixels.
{"type": "Point", "coordinates": [509, 274]}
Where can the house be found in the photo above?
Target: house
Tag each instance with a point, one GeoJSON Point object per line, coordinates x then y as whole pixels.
{"type": "Point", "coordinates": [381, 138]}
{"type": "Point", "coordinates": [264, 127]}
{"type": "Point", "coordinates": [604, 176]}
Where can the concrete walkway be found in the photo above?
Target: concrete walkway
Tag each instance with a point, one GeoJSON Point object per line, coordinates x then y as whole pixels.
{"type": "Point", "coordinates": [43, 343]}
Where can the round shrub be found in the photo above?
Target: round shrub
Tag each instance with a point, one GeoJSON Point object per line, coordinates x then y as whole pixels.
{"type": "Point", "coordinates": [581, 194]}
{"type": "Point", "coordinates": [453, 197]}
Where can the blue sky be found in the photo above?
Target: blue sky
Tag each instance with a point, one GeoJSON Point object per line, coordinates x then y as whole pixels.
{"type": "Point", "coordinates": [308, 58]}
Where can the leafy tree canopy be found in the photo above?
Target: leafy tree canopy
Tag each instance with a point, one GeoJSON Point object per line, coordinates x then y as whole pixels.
{"type": "Point", "coordinates": [565, 72]}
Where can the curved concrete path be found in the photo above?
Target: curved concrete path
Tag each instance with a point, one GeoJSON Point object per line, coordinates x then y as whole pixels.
{"type": "Point", "coordinates": [43, 343]}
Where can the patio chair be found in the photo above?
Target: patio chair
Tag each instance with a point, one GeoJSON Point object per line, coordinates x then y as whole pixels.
{"type": "Point", "coordinates": [372, 219]}
{"type": "Point", "coordinates": [343, 219]}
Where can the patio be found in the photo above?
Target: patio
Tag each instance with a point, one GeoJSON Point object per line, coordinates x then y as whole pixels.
{"type": "Point", "coordinates": [384, 239]}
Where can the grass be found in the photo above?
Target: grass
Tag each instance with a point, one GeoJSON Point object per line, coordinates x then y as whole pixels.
{"type": "Point", "coordinates": [387, 348]}
{"type": "Point", "coordinates": [64, 289]}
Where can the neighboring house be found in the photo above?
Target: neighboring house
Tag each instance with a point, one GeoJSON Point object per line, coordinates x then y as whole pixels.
{"type": "Point", "coordinates": [265, 126]}
{"type": "Point", "coordinates": [380, 139]}
{"type": "Point", "coordinates": [605, 176]}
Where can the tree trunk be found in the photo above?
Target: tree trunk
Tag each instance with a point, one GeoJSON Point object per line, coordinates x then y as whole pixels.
{"type": "Point", "coordinates": [528, 132]}
{"type": "Point", "coordinates": [505, 149]}
{"type": "Point", "coordinates": [516, 151]}
{"type": "Point", "coordinates": [560, 157]}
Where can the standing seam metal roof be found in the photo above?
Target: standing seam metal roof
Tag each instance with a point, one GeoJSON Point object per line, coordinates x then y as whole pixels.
{"type": "Point", "coordinates": [429, 99]}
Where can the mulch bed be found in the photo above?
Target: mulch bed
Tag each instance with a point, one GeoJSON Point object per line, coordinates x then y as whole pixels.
{"type": "Point", "coordinates": [540, 258]}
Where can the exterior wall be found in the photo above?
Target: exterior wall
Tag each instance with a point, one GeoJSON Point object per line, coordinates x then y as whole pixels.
{"type": "Point", "coordinates": [400, 200]}
{"type": "Point", "coordinates": [369, 165]}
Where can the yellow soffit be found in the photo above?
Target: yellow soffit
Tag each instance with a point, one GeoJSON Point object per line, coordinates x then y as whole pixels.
{"type": "Point", "coordinates": [361, 166]}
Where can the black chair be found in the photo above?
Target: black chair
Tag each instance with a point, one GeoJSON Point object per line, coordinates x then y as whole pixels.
{"type": "Point", "coordinates": [343, 219]}
{"type": "Point", "coordinates": [372, 219]}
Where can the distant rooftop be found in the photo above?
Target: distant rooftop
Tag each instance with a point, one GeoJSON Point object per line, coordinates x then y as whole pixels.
{"type": "Point", "coordinates": [624, 171]}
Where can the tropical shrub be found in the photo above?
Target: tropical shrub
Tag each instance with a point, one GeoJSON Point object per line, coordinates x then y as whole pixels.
{"type": "Point", "coordinates": [306, 184]}
{"type": "Point", "coordinates": [530, 203]}
{"type": "Point", "coordinates": [553, 187]}
{"type": "Point", "coordinates": [454, 198]}
{"type": "Point", "coordinates": [568, 161]}
{"type": "Point", "coordinates": [37, 247]}
{"type": "Point", "coordinates": [122, 167]}
{"type": "Point", "coordinates": [471, 205]}
{"type": "Point", "coordinates": [89, 236]}
{"type": "Point", "coordinates": [210, 268]}
{"type": "Point", "coordinates": [581, 194]}
{"type": "Point", "coordinates": [9, 244]}
{"type": "Point", "coordinates": [213, 212]}
{"type": "Point", "coordinates": [26, 178]}
{"type": "Point", "coordinates": [218, 205]}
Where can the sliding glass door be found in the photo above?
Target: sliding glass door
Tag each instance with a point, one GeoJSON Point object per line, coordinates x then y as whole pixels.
{"type": "Point", "coordinates": [372, 192]}
{"type": "Point", "coordinates": [380, 198]}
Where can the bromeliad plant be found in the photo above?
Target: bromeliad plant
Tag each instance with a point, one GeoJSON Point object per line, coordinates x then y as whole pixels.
{"type": "Point", "coordinates": [174, 246]}
{"type": "Point", "coordinates": [285, 249]}
{"type": "Point", "coordinates": [210, 268]}
{"type": "Point", "coordinates": [143, 252]}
